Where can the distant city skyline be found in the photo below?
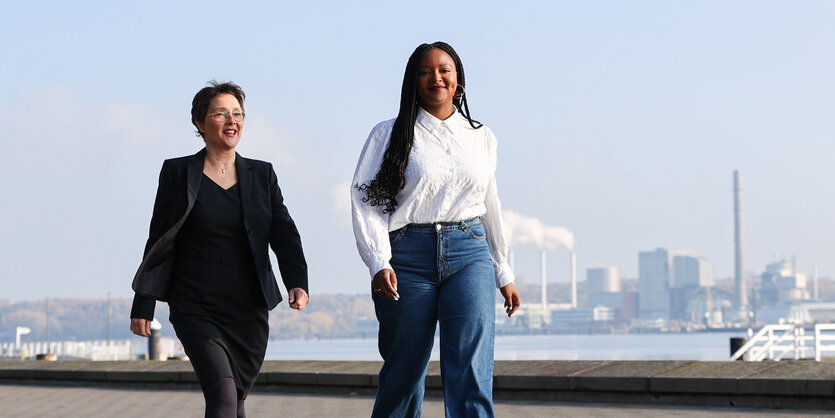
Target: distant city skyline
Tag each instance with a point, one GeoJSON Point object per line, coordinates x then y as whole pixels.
{"type": "Point", "coordinates": [621, 122]}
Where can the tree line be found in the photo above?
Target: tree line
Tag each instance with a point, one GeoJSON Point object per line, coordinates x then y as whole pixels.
{"type": "Point", "coordinates": [54, 319]}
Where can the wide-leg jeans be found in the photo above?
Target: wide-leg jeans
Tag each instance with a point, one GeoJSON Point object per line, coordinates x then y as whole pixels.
{"type": "Point", "coordinates": [444, 275]}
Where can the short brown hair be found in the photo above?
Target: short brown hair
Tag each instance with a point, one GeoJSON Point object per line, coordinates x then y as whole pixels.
{"type": "Point", "coordinates": [204, 97]}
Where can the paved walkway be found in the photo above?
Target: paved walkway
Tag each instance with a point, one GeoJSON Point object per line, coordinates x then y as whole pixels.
{"type": "Point", "coordinates": [71, 402]}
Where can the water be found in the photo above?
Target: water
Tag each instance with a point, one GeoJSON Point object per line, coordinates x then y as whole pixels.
{"type": "Point", "coordinates": [700, 346]}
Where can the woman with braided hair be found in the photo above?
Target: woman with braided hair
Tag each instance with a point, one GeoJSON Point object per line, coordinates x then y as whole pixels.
{"type": "Point", "coordinates": [427, 220]}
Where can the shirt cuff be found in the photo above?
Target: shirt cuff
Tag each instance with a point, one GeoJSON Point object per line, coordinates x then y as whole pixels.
{"type": "Point", "coordinates": [504, 275]}
{"type": "Point", "coordinates": [376, 265]}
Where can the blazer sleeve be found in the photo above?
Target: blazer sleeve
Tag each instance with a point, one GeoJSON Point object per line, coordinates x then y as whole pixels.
{"type": "Point", "coordinates": [143, 306]}
{"type": "Point", "coordinates": [285, 240]}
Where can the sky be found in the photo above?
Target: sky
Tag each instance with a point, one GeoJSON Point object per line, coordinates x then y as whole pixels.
{"type": "Point", "coordinates": [620, 121]}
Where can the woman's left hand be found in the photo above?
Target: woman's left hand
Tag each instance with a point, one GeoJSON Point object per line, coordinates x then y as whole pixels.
{"type": "Point", "coordinates": [511, 298]}
{"type": "Point", "coordinates": [297, 298]}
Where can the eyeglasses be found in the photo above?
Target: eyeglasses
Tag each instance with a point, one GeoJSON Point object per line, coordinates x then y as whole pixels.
{"type": "Point", "coordinates": [222, 115]}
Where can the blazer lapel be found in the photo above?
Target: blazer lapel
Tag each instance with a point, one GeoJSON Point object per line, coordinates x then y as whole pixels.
{"type": "Point", "coordinates": [244, 180]}
{"type": "Point", "coordinates": [194, 173]}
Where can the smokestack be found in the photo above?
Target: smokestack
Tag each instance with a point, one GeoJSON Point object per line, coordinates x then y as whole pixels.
{"type": "Point", "coordinates": [544, 286]}
{"type": "Point", "coordinates": [573, 279]}
{"type": "Point", "coordinates": [817, 295]}
{"type": "Point", "coordinates": [739, 278]}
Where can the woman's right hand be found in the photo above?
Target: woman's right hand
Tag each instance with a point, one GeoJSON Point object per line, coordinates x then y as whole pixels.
{"type": "Point", "coordinates": [384, 284]}
{"type": "Point", "coordinates": [140, 327]}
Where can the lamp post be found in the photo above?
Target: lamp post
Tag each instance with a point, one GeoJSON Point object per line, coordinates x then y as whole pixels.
{"type": "Point", "coordinates": [108, 318]}
{"type": "Point", "coordinates": [46, 309]}
{"type": "Point", "coordinates": [18, 332]}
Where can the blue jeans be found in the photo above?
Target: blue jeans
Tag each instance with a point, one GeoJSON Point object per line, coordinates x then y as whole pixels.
{"type": "Point", "coordinates": [444, 275]}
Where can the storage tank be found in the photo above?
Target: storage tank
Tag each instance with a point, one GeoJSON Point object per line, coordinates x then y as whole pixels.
{"type": "Point", "coordinates": [604, 279]}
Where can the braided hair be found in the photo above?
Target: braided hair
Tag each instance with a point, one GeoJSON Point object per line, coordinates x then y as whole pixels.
{"type": "Point", "coordinates": [391, 178]}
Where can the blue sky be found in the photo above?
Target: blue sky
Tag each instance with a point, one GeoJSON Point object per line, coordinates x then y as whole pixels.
{"type": "Point", "coordinates": [621, 121]}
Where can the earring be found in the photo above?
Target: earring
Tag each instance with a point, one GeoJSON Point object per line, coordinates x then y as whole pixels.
{"type": "Point", "coordinates": [458, 95]}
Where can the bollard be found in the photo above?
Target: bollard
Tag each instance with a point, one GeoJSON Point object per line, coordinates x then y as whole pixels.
{"type": "Point", "coordinates": [736, 344]}
{"type": "Point", "coordinates": [153, 341]}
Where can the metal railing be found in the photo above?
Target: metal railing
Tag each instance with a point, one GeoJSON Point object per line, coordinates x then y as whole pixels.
{"type": "Point", "coordinates": [822, 337]}
{"type": "Point", "coordinates": [787, 341]}
{"type": "Point", "coordinates": [90, 350]}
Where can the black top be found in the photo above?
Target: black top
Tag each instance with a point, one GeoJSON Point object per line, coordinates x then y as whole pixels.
{"type": "Point", "coordinates": [215, 273]}
{"type": "Point", "coordinates": [215, 225]}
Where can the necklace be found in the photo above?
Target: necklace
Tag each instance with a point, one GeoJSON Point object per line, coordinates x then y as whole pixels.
{"type": "Point", "coordinates": [222, 170]}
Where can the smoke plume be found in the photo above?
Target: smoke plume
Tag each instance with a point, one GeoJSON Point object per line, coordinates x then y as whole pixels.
{"type": "Point", "coordinates": [521, 229]}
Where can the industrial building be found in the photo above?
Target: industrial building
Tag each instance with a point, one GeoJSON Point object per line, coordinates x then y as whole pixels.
{"type": "Point", "coordinates": [781, 284]}
{"type": "Point", "coordinates": [603, 287]}
{"type": "Point", "coordinates": [657, 277]}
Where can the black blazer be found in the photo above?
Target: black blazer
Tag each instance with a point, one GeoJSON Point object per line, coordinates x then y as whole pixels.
{"type": "Point", "coordinates": [266, 221]}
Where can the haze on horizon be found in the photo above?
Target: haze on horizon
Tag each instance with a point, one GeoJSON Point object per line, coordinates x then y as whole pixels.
{"type": "Point", "coordinates": [621, 122]}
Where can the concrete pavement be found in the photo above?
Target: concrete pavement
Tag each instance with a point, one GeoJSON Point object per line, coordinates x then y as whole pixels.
{"type": "Point", "coordinates": [71, 402]}
{"type": "Point", "coordinates": [768, 386]}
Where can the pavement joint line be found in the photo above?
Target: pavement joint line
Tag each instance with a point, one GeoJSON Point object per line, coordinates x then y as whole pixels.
{"type": "Point", "coordinates": [768, 367]}
{"type": "Point", "coordinates": [674, 368]}
{"type": "Point", "coordinates": [588, 369]}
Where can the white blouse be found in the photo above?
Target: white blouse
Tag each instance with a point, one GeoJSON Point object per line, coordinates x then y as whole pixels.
{"type": "Point", "coordinates": [450, 177]}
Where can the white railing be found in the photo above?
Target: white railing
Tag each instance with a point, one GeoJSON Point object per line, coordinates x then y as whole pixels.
{"type": "Point", "coordinates": [92, 350]}
{"type": "Point", "coordinates": [784, 341]}
{"type": "Point", "coordinates": [822, 337]}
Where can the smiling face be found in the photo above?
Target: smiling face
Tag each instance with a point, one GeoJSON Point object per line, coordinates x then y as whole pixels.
{"type": "Point", "coordinates": [222, 134]}
{"type": "Point", "coordinates": [436, 83]}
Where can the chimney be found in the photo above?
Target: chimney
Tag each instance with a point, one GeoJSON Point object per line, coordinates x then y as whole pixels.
{"type": "Point", "coordinates": [573, 279]}
{"type": "Point", "coordinates": [817, 293]}
{"type": "Point", "coordinates": [739, 271]}
{"type": "Point", "coordinates": [544, 286]}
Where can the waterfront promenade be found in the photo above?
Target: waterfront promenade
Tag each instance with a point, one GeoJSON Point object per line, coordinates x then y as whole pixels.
{"type": "Point", "coordinates": [25, 401]}
{"type": "Point", "coordinates": [521, 388]}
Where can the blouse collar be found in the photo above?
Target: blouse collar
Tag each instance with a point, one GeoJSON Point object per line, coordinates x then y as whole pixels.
{"type": "Point", "coordinates": [431, 123]}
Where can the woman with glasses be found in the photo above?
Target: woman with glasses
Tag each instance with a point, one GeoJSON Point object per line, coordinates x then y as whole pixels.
{"type": "Point", "coordinates": [215, 215]}
{"type": "Point", "coordinates": [427, 221]}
